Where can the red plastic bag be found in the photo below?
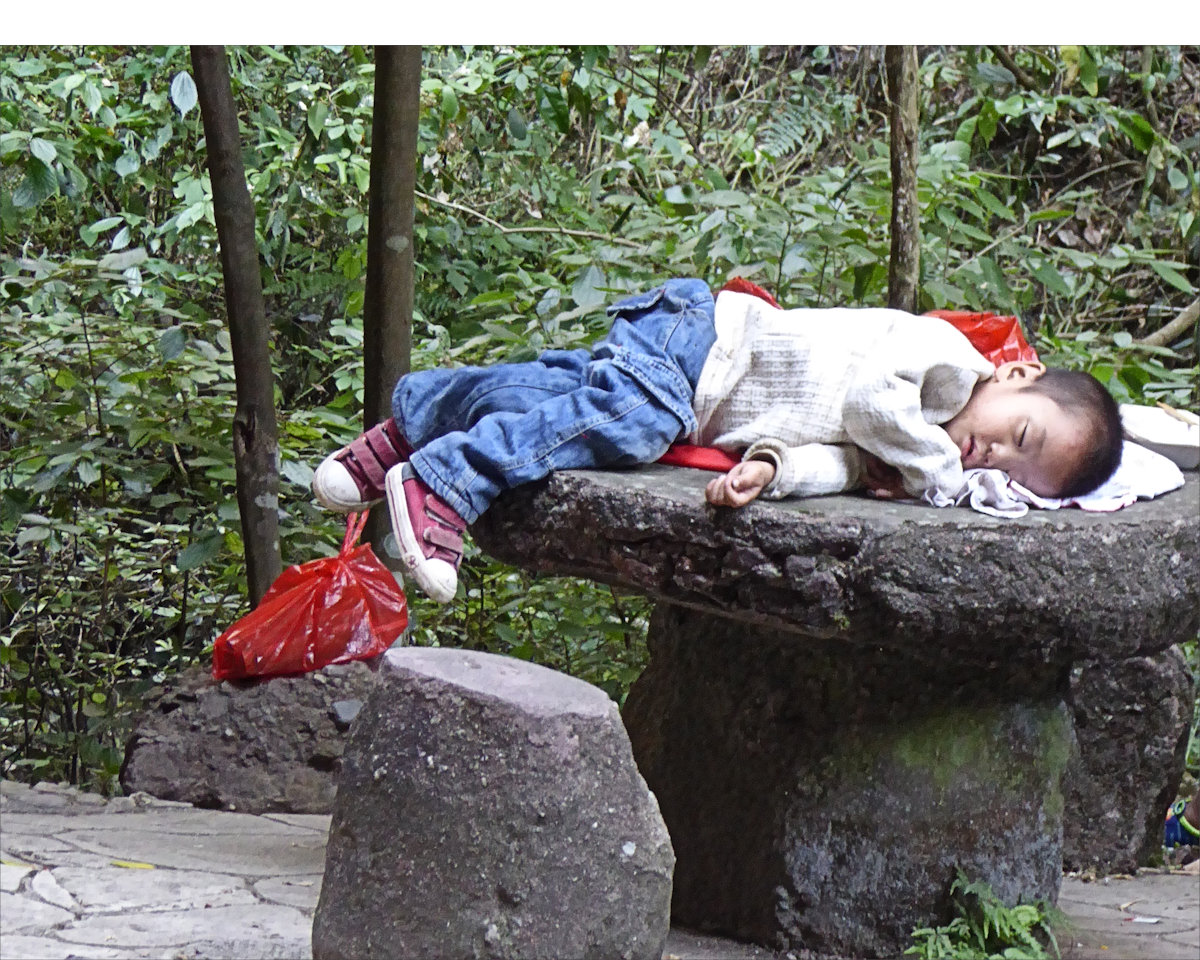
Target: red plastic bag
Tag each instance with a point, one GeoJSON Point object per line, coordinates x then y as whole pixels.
{"type": "Point", "coordinates": [998, 338]}
{"type": "Point", "coordinates": [742, 285]}
{"type": "Point", "coordinates": [333, 610]}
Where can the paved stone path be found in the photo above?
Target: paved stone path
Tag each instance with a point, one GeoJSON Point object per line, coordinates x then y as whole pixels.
{"type": "Point", "coordinates": [135, 877]}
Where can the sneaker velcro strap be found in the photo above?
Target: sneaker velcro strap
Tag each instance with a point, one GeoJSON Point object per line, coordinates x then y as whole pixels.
{"type": "Point", "coordinates": [437, 509]}
{"type": "Point", "coordinates": [446, 539]}
{"type": "Point", "coordinates": [371, 455]}
{"type": "Point", "coordinates": [380, 445]}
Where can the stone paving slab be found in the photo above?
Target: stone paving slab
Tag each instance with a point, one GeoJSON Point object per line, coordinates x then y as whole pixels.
{"type": "Point", "coordinates": [140, 879]}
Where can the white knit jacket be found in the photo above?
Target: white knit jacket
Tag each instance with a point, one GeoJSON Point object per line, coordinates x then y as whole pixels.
{"type": "Point", "coordinates": [810, 389]}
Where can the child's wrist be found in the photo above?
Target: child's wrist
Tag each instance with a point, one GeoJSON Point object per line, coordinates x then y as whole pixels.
{"type": "Point", "coordinates": [766, 468]}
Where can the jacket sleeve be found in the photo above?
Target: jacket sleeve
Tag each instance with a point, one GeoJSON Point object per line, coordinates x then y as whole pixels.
{"type": "Point", "coordinates": [808, 470]}
{"type": "Point", "coordinates": [883, 415]}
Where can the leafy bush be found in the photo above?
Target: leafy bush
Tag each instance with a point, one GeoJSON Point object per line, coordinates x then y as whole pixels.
{"type": "Point", "coordinates": [986, 929]}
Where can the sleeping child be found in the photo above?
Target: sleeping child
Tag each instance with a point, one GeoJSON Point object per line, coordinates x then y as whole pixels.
{"type": "Point", "coordinates": [813, 401]}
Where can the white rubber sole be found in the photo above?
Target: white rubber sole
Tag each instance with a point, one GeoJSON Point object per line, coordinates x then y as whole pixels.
{"type": "Point", "coordinates": [336, 490]}
{"type": "Point", "coordinates": [437, 578]}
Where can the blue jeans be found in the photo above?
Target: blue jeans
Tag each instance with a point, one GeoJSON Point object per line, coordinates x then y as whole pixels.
{"type": "Point", "coordinates": [479, 431]}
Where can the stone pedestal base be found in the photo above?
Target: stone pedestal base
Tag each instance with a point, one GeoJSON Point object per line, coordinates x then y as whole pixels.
{"type": "Point", "coordinates": [820, 795]}
{"type": "Point", "coordinates": [1132, 719]}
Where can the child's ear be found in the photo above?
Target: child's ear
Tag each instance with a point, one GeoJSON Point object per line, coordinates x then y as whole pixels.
{"type": "Point", "coordinates": [1020, 370]}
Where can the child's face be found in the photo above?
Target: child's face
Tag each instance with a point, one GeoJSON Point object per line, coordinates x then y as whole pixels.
{"type": "Point", "coordinates": [1025, 434]}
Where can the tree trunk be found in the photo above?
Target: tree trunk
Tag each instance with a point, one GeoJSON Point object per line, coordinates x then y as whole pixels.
{"type": "Point", "coordinates": [904, 265]}
{"type": "Point", "coordinates": [255, 438]}
{"type": "Point", "coordinates": [388, 304]}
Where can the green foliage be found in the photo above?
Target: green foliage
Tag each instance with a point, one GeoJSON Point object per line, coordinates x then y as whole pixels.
{"type": "Point", "coordinates": [551, 179]}
{"type": "Point", "coordinates": [1191, 655]}
{"type": "Point", "coordinates": [986, 929]}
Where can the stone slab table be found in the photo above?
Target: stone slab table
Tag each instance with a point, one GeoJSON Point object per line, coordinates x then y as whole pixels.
{"type": "Point", "coordinates": [847, 699]}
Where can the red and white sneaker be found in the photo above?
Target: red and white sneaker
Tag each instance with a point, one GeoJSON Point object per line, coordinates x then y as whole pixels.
{"type": "Point", "coordinates": [352, 479]}
{"type": "Point", "coordinates": [428, 531]}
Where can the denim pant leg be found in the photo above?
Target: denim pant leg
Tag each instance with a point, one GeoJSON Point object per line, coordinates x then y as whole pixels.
{"type": "Point", "coordinates": [432, 403]}
{"type": "Point", "coordinates": [515, 423]}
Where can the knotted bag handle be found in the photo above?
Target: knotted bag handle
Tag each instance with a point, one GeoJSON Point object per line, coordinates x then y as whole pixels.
{"type": "Point", "coordinates": [355, 523]}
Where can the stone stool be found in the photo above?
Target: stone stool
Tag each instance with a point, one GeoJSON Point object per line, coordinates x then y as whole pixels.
{"type": "Point", "coordinates": [489, 807]}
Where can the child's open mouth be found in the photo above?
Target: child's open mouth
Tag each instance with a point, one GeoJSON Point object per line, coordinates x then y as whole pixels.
{"type": "Point", "coordinates": [968, 448]}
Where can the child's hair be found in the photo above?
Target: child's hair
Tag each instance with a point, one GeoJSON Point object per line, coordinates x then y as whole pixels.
{"type": "Point", "coordinates": [1084, 396]}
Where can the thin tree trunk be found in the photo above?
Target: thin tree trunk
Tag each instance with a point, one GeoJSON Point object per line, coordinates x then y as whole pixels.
{"type": "Point", "coordinates": [255, 437]}
{"type": "Point", "coordinates": [904, 264]}
{"type": "Point", "coordinates": [388, 304]}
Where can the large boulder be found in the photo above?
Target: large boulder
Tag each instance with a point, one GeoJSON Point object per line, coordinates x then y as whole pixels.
{"type": "Point", "coordinates": [1132, 720]}
{"type": "Point", "coordinates": [267, 746]}
{"type": "Point", "coordinates": [489, 807]}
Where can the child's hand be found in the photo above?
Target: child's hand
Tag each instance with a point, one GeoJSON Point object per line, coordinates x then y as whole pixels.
{"type": "Point", "coordinates": [882, 480]}
{"type": "Point", "coordinates": [741, 484]}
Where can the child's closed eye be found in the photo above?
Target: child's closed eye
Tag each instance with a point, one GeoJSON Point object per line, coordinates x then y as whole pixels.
{"type": "Point", "coordinates": [1024, 430]}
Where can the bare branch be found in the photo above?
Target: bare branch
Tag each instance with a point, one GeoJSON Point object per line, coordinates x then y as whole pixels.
{"type": "Point", "coordinates": [588, 234]}
{"type": "Point", "coordinates": [1164, 335]}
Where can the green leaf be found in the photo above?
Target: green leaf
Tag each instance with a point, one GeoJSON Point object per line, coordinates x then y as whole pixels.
{"type": "Point", "coordinates": [713, 220]}
{"type": "Point", "coordinates": [171, 343]}
{"type": "Point", "coordinates": [1138, 129]}
{"type": "Point", "coordinates": [517, 128]}
{"type": "Point", "coordinates": [39, 183]}
{"type": "Point", "coordinates": [1087, 72]}
{"type": "Point", "coordinates": [118, 262]}
{"type": "Point", "coordinates": [92, 98]}
{"type": "Point", "coordinates": [994, 73]}
{"type": "Point", "coordinates": [316, 118]}
{"type": "Point", "coordinates": [449, 104]}
{"type": "Point", "coordinates": [88, 472]}
{"type": "Point", "coordinates": [966, 130]}
{"type": "Point", "coordinates": [1177, 178]}
{"type": "Point", "coordinates": [1172, 276]}
{"type": "Point", "coordinates": [988, 120]}
{"type": "Point", "coordinates": [297, 472]}
{"type": "Point", "coordinates": [997, 208]}
{"type": "Point", "coordinates": [43, 150]}
{"type": "Point", "coordinates": [724, 198]}
{"type": "Point", "coordinates": [90, 233]}
{"type": "Point", "coordinates": [183, 92]}
{"type": "Point", "coordinates": [127, 163]}
{"type": "Point", "coordinates": [1050, 215]}
{"type": "Point", "coordinates": [587, 290]}
{"type": "Point", "coordinates": [943, 294]}
{"type": "Point", "coordinates": [1122, 339]}
{"type": "Point", "coordinates": [1059, 138]}
{"type": "Point", "coordinates": [1051, 279]}
{"type": "Point", "coordinates": [28, 68]}
{"type": "Point", "coordinates": [32, 535]}
{"type": "Point", "coordinates": [199, 552]}
{"type": "Point", "coordinates": [553, 108]}
{"type": "Point", "coordinates": [994, 277]}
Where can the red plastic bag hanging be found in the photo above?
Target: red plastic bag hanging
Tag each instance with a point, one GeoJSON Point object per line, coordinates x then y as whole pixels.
{"type": "Point", "coordinates": [333, 610]}
{"type": "Point", "coordinates": [998, 338]}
